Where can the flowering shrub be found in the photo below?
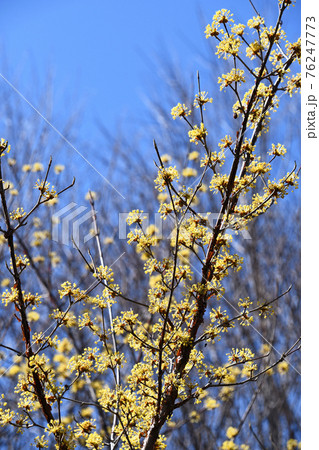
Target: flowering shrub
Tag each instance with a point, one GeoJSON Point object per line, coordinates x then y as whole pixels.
{"type": "Point", "coordinates": [101, 396]}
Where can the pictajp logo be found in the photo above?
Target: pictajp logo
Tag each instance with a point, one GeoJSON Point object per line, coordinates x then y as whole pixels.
{"type": "Point", "coordinates": [67, 222]}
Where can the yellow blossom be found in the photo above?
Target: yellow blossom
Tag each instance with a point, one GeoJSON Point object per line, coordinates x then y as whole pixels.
{"type": "Point", "coordinates": [94, 441]}
{"type": "Point", "coordinates": [238, 29]}
{"type": "Point", "coordinates": [231, 432]}
{"type": "Point", "coordinates": [165, 176]}
{"type": "Point", "coordinates": [37, 167]}
{"type": "Point", "coordinates": [223, 16]}
{"type": "Point", "coordinates": [211, 30]}
{"type": "Point", "coordinates": [229, 445]}
{"type": "Point", "coordinates": [255, 22]}
{"type": "Point", "coordinates": [197, 134]}
{"type": "Point", "coordinates": [211, 403]}
{"type": "Point", "coordinates": [58, 168]}
{"type": "Point", "coordinates": [135, 216]}
{"type": "Point", "coordinates": [189, 172]}
{"type": "Point", "coordinates": [180, 110]}
{"type": "Point", "coordinates": [86, 412]}
{"type": "Point", "coordinates": [254, 49]}
{"type": "Point", "coordinates": [277, 150]}
{"type": "Point", "coordinates": [234, 76]}
{"type": "Point", "coordinates": [5, 282]}
{"type": "Point", "coordinates": [292, 444]}
{"type": "Point", "coordinates": [12, 161]}
{"type": "Point", "coordinates": [201, 99]}
{"type": "Point", "coordinates": [46, 190]}
{"type": "Point", "coordinates": [165, 158]}
{"type": "Point", "coordinates": [26, 168]}
{"type": "Point", "coordinates": [33, 316]}
{"type": "Point", "coordinates": [90, 195]}
{"type": "Point", "coordinates": [283, 367]}
{"type": "Point", "coordinates": [228, 46]}
{"type": "Point", "coordinates": [4, 147]}
{"type": "Point", "coordinates": [193, 155]}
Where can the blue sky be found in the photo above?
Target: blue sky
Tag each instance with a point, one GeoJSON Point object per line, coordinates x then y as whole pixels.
{"type": "Point", "coordinates": [96, 50]}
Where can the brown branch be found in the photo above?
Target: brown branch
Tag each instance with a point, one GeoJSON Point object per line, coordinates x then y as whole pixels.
{"type": "Point", "coordinates": [25, 327]}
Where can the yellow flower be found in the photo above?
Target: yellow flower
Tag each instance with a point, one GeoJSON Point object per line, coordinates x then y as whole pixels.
{"type": "Point", "coordinates": [46, 190]}
{"type": "Point", "coordinates": [223, 16]}
{"type": "Point", "coordinates": [229, 445]}
{"type": "Point", "coordinates": [108, 240]}
{"type": "Point", "coordinates": [135, 216]}
{"type": "Point", "coordinates": [58, 168]}
{"type": "Point", "coordinates": [253, 49]}
{"type": "Point", "coordinates": [248, 369]}
{"type": "Point", "coordinates": [197, 134]}
{"type": "Point", "coordinates": [5, 282]}
{"type": "Point", "coordinates": [67, 319]}
{"type": "Point", "coordinates": [231, 432]}
{"type": "Point", "coordinates": [293, 84]}
{"type": "Point", "coordinates": [8, 184]}
{"type": "Point", "coordinates": [162, 196]}
{"type": "Point", "coordinates": [84, 428]}
{"type": "Point", "coordinates": [293, 444]}
{"type": "Point", "coordinates": [189, 172]}
{"type": "Point", "coordinates": [258, 167]}
{"type": "Point", "coordinates": [41, 442]}
{"type": "Point", "coordinates": [39, 259]}
{"type": "Point", "coordinates": [55, 427]}
{"type": "Point", "coordinates": [13, 370]}
{"type": "Point", "coordinates": [166, 157]}
{"type": "Point", "coordinates": [277, 150]}
{"type": "Point", "coordinates": [17, 214]}
{"type": "Point", "coordinates": [64, 346]}
{"type": "Point", "coordinates": [52, 202]}
{"type": "Point", "coordinates": [86, 412]}
{"type": "Point", "coordinates": [228, 46]}
{"type": "Point", "coordinates": [218, 183]}
{"type": "Point", "coordinates": [180, 110]}
{"type": "Point", "coordinates": [37, 167]}
{"type": "Point", "coordinates": [151, 229]}
{"type": "Point", "coordinates": [154, 280]}
{"type": "Point", "coordinates": [238, 29]}
{"type": "Point", "coordinates": [265, 349]}
{"type": "Point", "coordinates": [194, 416]}
{"type": "Point", "coordinates": [234, 76]}
{"type": "Point", "coordinates": [255, 22]}
{"type": "Point", "coordinates": [165, 177]}
{"type": "Point", "coordinates": [11, 161]}
{"type": "Point", "coordinates": [33, 316]}
{"type": "Point", "coordinates": [4, 147]}
{"type": "Point", "coordinates": [91, 194]}
{"type": "Point", "coordinates": [211, 30]}
{"type": "Point", "coordinates": [26, 168]}
{"type": "Point", "coordinates": [193, 155]}
{"type": "Point", "coordinates": [211, 403]}
{"type": "Point", "coordinates": [270, 371]}
{"type": "Point", "coordinates": [283, 367]}
{"type": "Point", "coordinates": [94, 441]}
{"type": "Point", "coordinates": [201, 98]}
{"type": "Point", "coordinates": [295, 48]}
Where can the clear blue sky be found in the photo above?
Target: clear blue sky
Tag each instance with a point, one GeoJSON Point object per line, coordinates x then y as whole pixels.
{"type": "Point", "coordinates": [97, 48]}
